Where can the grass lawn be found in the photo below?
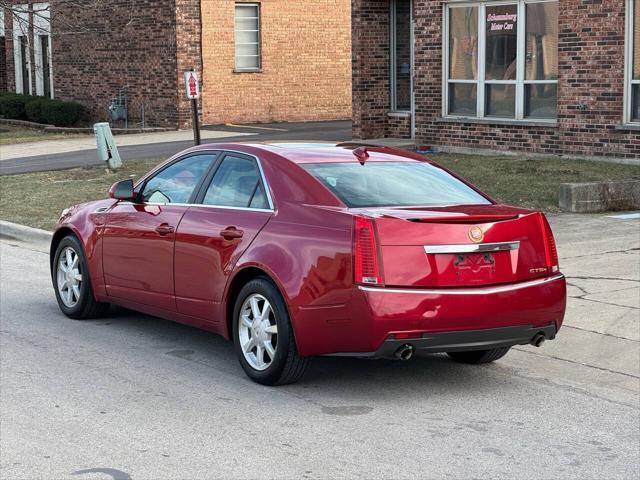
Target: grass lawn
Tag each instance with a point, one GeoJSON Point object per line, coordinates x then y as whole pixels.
{"type": "Point", "coordinates": [527, 182]}
{"type": "Point", "coordinates": [36, 199]}
{"type": "Point", "coordinates": [10, 135]}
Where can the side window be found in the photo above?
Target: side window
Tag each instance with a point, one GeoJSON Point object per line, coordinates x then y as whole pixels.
{"type": "Point", "coordinates": [236, 183]}
{"type": "Point", "coordinates": [176, 183]}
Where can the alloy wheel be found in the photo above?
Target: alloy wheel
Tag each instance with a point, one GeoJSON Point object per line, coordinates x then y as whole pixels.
{"type": "Point", "coordinates": [69, 277]}
{"type": "Point", "coordinates": [258, 332]}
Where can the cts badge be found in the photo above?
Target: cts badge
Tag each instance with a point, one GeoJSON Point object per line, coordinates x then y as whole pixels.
{"type": "Point", "coordinates": [476, 234]}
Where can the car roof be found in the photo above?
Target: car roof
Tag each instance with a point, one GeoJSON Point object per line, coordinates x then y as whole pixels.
{"type": "Point", "coordinates": [305, 152]}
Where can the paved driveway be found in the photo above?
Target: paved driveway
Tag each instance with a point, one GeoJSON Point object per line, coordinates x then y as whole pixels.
{"type": "Point", "coordinates": [62, 154]}
{"type": "Point", "coordinates": [130, 396]}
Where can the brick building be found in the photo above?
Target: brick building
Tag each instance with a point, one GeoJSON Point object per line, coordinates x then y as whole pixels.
{"type": "Point", "coordinates": [273, 60]}
{"type": "Point", "coordinates": [544, 76]}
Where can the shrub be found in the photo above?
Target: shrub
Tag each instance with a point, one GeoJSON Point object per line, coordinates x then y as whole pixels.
{"type": "Point", "coordinates": [59, 113]}
{"type": "Point", "coordinates": [33, 110]}
{"type": "Point", "coordinates": [40, 110]}
{"type": "Point", "coordinates": [13, 106]}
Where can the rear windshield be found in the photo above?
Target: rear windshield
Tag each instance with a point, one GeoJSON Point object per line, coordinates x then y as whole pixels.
{"type": "Point", "coordinates": [393, 184]}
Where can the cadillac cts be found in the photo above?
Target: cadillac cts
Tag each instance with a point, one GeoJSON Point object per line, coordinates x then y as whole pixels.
{"type": "Point", "coordinates": [294, 251]}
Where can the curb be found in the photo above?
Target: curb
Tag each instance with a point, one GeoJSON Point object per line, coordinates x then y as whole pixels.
{"type": "Point", "coordinates": [23, 233]}
{"type": "Point", "coordinates": [24, 123]}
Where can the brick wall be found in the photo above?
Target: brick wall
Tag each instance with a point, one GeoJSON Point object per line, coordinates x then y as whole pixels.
{"type": "Point", "coordinates": [103, 47]}
{"type": "Point", "coordinates": [188, 52]}
{"type": "Point", "coordinates": [306, 63]}
{"type": "Point", "coordinates": [590, 84]}
{"type": "Point", "coordinates": [371, 99]}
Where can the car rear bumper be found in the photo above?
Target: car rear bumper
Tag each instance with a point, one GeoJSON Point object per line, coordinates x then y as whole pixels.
{"type": "Point", "coordinates": [466, 340]}
{"type": "Point", "coordinates": [379, 319]}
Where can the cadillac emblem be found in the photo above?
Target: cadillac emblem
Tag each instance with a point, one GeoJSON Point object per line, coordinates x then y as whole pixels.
{"type": "Point", "coordinates": [476, 234]}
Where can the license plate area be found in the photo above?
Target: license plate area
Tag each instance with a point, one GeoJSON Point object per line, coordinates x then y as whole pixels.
{"type": "Point", "coordinates": [474, 266]}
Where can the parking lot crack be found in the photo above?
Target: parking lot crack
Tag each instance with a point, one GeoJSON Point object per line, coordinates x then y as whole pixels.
{"type": "Point", "coordinates": [615, 279]}
{"type": "Point", "coordinates": [583, 297]}
{"type": "Point", "coordinates": [610, 252]}
{"type": "Point", "coordinates": [600, 333]}
{"type": "Point", "coordinates": [579, 363]}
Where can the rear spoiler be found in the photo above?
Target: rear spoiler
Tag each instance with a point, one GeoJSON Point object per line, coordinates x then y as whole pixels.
{"type": "Point", "coordinates": [375, 147]}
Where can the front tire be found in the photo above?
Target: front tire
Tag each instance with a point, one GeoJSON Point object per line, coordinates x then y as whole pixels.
{"type": "Point", "coordinates": [263, 335]}
{"type": "Point", "coordinates": [478, 357]}
{"type": "Point", "coordinates": [72, 283]}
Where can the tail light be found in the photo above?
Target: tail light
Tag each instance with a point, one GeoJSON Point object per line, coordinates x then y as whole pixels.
{"type": "Point", "coordinates": [550, 251]}
{"type": "Point", "coordinates": [365, 253]}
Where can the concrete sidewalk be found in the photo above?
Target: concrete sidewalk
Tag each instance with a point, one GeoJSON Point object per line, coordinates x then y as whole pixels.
{"type": "Point", "coordinates": [600, 256]}
{"type": "Point", "coordinates": [54, 147]}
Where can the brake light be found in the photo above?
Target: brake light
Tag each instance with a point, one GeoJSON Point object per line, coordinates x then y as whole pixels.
{"type": "Point", "coordinates": [550, 251]}
{"type": "Point", "coordinates": [365, 254]}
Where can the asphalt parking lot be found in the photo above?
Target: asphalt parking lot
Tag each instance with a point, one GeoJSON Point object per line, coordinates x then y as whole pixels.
{"type": "Point", "coordinates": [133, 397]}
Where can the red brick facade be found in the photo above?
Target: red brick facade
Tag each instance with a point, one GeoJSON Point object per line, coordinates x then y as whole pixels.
{"type": "Point", "coordinates": [147, 45]}
{"type": "Point", "coordinates": [99, 50]}
{"type": "Point", "coordinates": [590, 85]}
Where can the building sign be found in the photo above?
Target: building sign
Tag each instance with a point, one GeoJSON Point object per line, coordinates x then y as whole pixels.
{"type": "Point", "coordinates": [502, 22]}
{"type": "Point", "coordinates": [192, 85]}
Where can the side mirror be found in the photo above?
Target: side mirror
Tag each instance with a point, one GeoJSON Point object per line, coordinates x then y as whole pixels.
{"type": "Point", "coordinates": [122, 190]}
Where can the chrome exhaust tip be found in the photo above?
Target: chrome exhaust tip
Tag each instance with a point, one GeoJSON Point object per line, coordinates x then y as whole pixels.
{"type": "Point", "coordinates": [404, 352]}
{"type": "Point", "coordinates": [538, 340]}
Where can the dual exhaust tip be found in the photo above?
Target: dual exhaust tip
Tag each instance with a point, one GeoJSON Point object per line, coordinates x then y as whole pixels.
{"type": "Point", "coordinates": [406, 351]}
{"type": "Point", "coordinates": [538, 339]}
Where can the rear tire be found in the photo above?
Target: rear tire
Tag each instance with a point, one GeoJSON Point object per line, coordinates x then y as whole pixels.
{"type": "Point", "coordinates": [478, 357]}
{"type": "Point", "coordinates": [263, 335]}
{"type": "Point", "coordinates": [73, 289]}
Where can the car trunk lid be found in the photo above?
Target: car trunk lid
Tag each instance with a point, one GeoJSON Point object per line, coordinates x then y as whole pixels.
{"type": "Point", "coordinates": [458, 246]}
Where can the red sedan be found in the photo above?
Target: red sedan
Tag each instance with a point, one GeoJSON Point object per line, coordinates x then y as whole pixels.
{"type": "Point", "coordinates": [295, 250]}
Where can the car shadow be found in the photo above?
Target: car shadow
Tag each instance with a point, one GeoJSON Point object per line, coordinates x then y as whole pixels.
{"type": "Point", "coordinates": [425, 375]}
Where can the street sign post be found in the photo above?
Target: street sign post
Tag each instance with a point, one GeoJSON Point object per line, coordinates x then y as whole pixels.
{"type": "Point", "coordinates": [192, 89]}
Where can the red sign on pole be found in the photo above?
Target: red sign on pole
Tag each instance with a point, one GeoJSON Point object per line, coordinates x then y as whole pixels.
{"type": "Point", "coordinates": [192, 85]}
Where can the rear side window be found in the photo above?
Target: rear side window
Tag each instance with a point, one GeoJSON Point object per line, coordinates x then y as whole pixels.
{"type": "Point", "coordinates": [236, 183]}
{"type": "Point", "coordinates": [393, 184]}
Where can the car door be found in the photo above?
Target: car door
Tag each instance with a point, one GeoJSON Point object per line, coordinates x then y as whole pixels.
{"type": "Point", "coordinates": [139, 237]}
{"type": "Point", "coordinates": [234, 205]}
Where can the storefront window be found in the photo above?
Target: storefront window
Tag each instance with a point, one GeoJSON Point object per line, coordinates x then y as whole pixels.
{"type": "Point", "coordinates": [503, 60]}
{"type": "Point", "coordinates": [463, 61]}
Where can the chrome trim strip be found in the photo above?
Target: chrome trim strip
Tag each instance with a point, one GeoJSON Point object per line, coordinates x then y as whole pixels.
{"type": "Point", "coordinates": [466, 290]}
{"type": "Point", "coordinates": [200, 205]}
{"type": "Point", "coordinates": [473, 248]}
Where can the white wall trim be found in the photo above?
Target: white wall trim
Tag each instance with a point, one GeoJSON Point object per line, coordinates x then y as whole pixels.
{"type": "Point", "coordinates": [1, 22]}
{"type": "Point", "coordinates": [42, 27]}
{"type": "Point", "coordinates": [21, 28]}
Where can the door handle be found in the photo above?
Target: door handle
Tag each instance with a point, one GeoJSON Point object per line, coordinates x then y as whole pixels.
{"type": "Point", "coordinates": [231, 233]}
{"type": "Point", "coordinates": [165, 229]}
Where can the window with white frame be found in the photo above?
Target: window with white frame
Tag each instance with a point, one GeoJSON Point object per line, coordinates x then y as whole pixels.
{"type": "Point", "coordinates": [42, 49]}
{"type": "Point", "coordinates": [21, 49]}
{"type": "Point", "coordinates": [632, 67]}
{"type": "Point", "coordinates": [501, 59]}
{"type": "Point", "coordinates": [247, 35]}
